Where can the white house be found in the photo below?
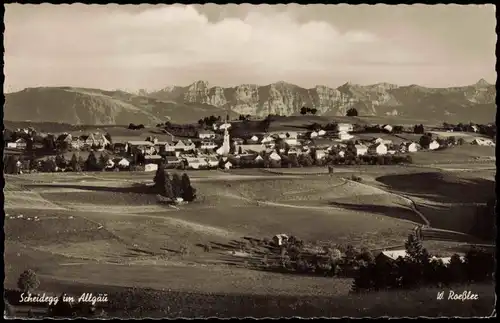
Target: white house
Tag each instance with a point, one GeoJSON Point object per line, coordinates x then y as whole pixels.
{"type": "Point", "coordinates": [345, 127]}
{"type": "Point", "coordinates": [274, 156]}
{"type": "Point", "coordinates": [212, 162]}
{"type": "Point", "coordinates": [292, 135]}
{"type": "Point", "coordinates": [206, 134]}
{"type": "Point", "coordinates": [250, 148]}
{"type": "Point", "coordinates": [280, 239]}
{"type": "Point", "coordinates": [483, 142]}
{"type": "Point", "coordinates": [292, 141]}
{"type": "Point", "coordinates": [266, 139]}
{"type": "Point", "coordinates": [387, 128]}
{"type": "Point", "coordinates": [321, 132]}
{"type": "Point", "coordinates": [195, 163]}
{"type": "Point", "coordinates": [254, 138]}
{"type": "Point", "coordinates": [383, 141]}
{"type": "Point", "coordinates": [150, 167]}
{"type": "Point", "coordinates": [361, 150]}
{"type": "Point", "coordinates": [379, 149]}
{"type": "Point", "coordinates": [320, 154]}
{"type": "Point", "coordinates": [412, 147]}
{"type": "Point", "coordinates": [314, 134]}
{"type": "Point", "coordinates": [259, 158]}
{"type": "Point", "coordinates": [342, 153]}
{"type": "Point", "coordinates": [475, 128]}
{"type": "Point", "coordinates": [282, 135]}
{"type": "Point", "coordinates": [228, 165]}
{"type": "Point", "coordinates": [434, 145]}
{"type": "Point", "coordinates": [208, 144]}
{"type": "Point", "coordinates": [123, 163]}
{"type": "Point", "coordinates": [344, 136]}
{"type": "Point", "coordinates": [224, 126]}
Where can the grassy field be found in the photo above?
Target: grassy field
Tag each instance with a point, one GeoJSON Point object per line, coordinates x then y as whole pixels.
{"type": "Point", "coordinates": [104, 228]}
{"type": "Point", "coordinates": [456, 154]}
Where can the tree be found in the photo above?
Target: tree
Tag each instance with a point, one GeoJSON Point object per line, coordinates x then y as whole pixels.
{"type": "Point", "coordinates": [293, 160]}
{"type": "Point", "coordinates": [314, 111]}
{"type": "Point", "coordinates": [75, 165]}
{"type": "Point", "coordinates": [425, 141]}
{"type": "Point", "coordinates": [177, 185]}
{"type": "Point", "coordinates": [10, 166]}
{"type": "Point", "coordinates": [28, 281]}
{"type": "Point", "coordinates": [303, 111]}
{"type": "Point", "coordinates": [103, 160]}
{"type": "Point", "coordinates": [91, 163]}
{"type": "Point", "coordinates": [419, 129]}
{"type": "Point", "coordinates": [352, 112]}
{"type": "Point", "coordinates": [61, 161]}
{"type": "Point", "coordinates": [108, 137]}
{"type": "Point", "coordinates": [169, 190]}
{"type": "Point", "coordinates": [49, 165]}
{"type": "Point", "coordinates": [188, 192]}
{"type": "Point", "coordinates": [159, 180]}
{"type": "Point", "coordinates": [460, 141]}
{"type": "Point", "coordinates": [240, 150]}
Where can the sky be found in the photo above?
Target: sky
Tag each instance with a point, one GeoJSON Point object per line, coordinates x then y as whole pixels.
{"type": "Point", "coordinates": [155, 46]}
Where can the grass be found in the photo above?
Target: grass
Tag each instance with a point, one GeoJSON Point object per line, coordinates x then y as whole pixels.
{"type": "Point", "coordinates": [465, 153]}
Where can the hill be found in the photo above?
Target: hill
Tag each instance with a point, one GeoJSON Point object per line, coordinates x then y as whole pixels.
{"type": "Point", "coordinates": [80, 106]}
{"type": "Point", "coordinates": [458, 104]}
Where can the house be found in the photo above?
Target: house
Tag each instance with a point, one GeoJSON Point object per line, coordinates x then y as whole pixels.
{"type": "Point", "coordinates": [342, 153]}
{"type": "Point", "coordinates": [122, 163]}
{"type": "Point", "coordinates": [383, 141]}
{"type": "Point", "coordinates": [109, 164]}
{"type": "Point", "coordinates": [393, 254]}
{"type": "Point", "coordinates": [321, 132]}
{"type": "Point", "coordinates": [228, 165]}
{"type": "Point", "coordinates": [292, 141]}
{"type": "Point", "coordinates": [475, 128]}
{"type": "Point", "coordinates": [119, 148]}
{"type": "Point", "coordinates": [206, 134]}
{"type": "Point", "coordinates": [250, 148]}
{"type": "Point", "coordinates": [258, 159]}
{"type": "Point", "coordinates": [274, 156]}
{"type": "Point", "coordinates": [184, 145]}
{"type": "Point", "coordinates": [280, 239]}
{"type": "Point", "coordinates": [239, 141]}
{"type": "Point", "coordinates": [378, 149]}
{"type": "Point", "coordinates": [361, 150]}
{"type": "Point", "coordinates": [142, 146]}
{"type": "Point", "coordinates": [344, 136]}
{"type": "Point", "coordinates": [208, 144]}
{"type": "Point", "coordinates": [254, 139]}
{"type": "Point", "coordinates": [391, 152]}
{"type": "Point", "coordinates": [434, 145]}
{"type": "Point", "coordinates": [153, 159]}
{"type": "Point", "coordinates": [65, 138]}
{"type": "Point", "coordinates": [173, 161]}
{"type": "Point", "coordinates": [320, 154]}
{"type": "Point", "coordinates": [293, 151]}
{"type": "Point", "coordinates": [313, 134]}
{"type": "Point", "coordinates": [267, 139]}
{"type": "Point", "coordinates": [18, 144]}
{"type": "Point", "coordinates": [292, 135]}
{"type": "Point", "coordinates": [345, 127]}
{"type": "Point", "coordinates": [387, 127]}
{"type": "Point", "coordinates": [76, 143]}
{"type": "Point", "coordinates": [224, 126]}
{"type": "Point", "coordinates": [195, 162]}
{"type": "Point", "coordinates": [150, 167]}
{"type": "Point", "coordinates": [483, 142]}
{"type": "Point", "coordinates": [212, 162]}
{"type": "Point", "coordinates": [411, 147]}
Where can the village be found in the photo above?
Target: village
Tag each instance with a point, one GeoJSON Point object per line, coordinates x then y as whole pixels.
{"type": "Point", "coordinates": [213, 147]}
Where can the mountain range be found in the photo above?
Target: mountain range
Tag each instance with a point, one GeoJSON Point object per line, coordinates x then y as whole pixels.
{"type": "Point", "coordinates": [475, 102]}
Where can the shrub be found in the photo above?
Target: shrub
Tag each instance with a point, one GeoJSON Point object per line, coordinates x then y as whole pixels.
{"type": "Point", "coordinates": [28, 281]}
{"type": "Point", "coordinates": [356, 178]}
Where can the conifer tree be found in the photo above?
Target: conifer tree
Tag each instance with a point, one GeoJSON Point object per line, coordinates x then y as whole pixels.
{"type": "Point", "coordinates": [159, 180]}
{"type": "Point", "coordinates": [188, 192]}
{"type": "Point", "coordinates": [177, 185]}
{"type": "Point", "coordinates": [74, 164]}
{"type": "Point", "coordinates": [91, 163]}
{"type": "Point", "coordinates": [169, 192]}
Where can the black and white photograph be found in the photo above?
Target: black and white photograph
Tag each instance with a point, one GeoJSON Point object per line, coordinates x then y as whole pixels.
{"type": "Point", "coordinates": [249, 161]}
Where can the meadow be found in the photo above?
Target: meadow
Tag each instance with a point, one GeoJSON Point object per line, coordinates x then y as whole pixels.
{"type": "Point", "coordinates": [106, 228]}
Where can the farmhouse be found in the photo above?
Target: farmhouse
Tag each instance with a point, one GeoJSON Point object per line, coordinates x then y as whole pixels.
{"type": "Point", "coordinates": [267, 139]}
{"type": "Point", "coordinates": [142, 146]}
{"type": "Point", "coordinates": [195, 162]}
{"type": "Point", "coordinates": [173, 161]}
{"type": "Point", "coordinates": [321, 132]}
{"type": "Point", "coordinates": [76, 143]}
{"type": "Point", "coordinates": [206, 134]}
{"type": "Point", "coordinates": [224, 126]}
{"type": "Point", "coordinates": [345, 127]}
{"type": "Point", "coordinates": [251, 148]}
{"type": "Point", "coordinates": [186, 145]}
{"type": "Point", "coordinates": [378, 149]}
{"type": "Point", "coordinates": [153, 159]}
{"type": "Point", "coordinates": [383, 141]}
{"type": "Point", "coordinates": [412, 147]}
{"type": "Point", "coordinates": [293, 151]}
{"type": "Point", "coordinates": [122, 163]}
{"type": "Point", "coordinates": [110, 164]}
{"type": "Point", "coordinates": [253, 139]}
{"type": "Point", "coordinates": [150, 167]}
{"type": "Point", "coordinates": [313, 134]}
{"type": "Point", "coordinates": [361, 150]}
{"type": "Point", "coordinates": [208, 144]}
{"type": "Point", "coordinates": [483, 142]}
{"type": "Point", "coordinates": [18, 144]}
{"type": "Point", "coordinates": [258, 159]}
{"type": "Point", "coordinates": [320, 154]}
{"type": "Point", "coordinates": [344, 136]}
{"type": "Point", "coordinates": [212, 162]}
{"type": "Point", "coordinates": [274, 156]}
{"type": "Point", "coordinates": [387, 127]}
{"type": "Point", "coordinates": [434, 145]}
{"type": "Point", "coordinates": [280, 239]}
{"type": "Point", "coordinates": [228, 165]}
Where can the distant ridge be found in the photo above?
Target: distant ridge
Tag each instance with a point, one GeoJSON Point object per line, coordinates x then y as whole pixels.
{"type": "Point", "coordinates": [73, 105]}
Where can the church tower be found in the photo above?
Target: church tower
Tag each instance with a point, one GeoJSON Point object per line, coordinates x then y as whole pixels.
{"type": "Point", "coordinates": [225, 148]}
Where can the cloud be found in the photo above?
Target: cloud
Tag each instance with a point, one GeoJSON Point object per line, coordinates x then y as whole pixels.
{"type": "Point", "coordinates": [158, 43]}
